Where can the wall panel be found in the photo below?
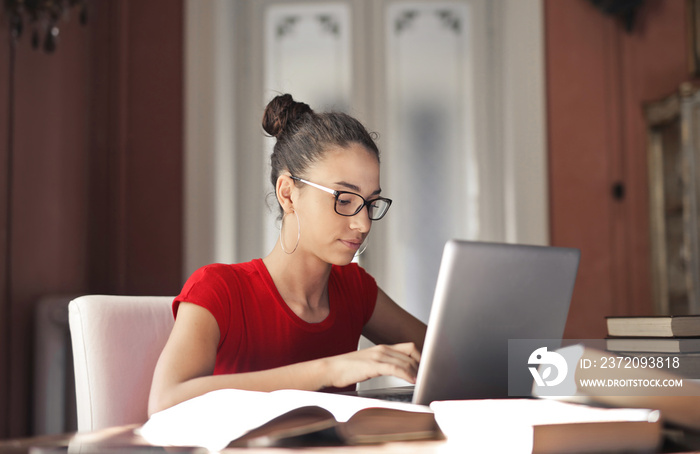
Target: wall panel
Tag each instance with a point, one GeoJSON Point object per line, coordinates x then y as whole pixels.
{"type": "Point", "coordinates": [598, 78]}
{"type": "Point", "coordinates": [97, 176]}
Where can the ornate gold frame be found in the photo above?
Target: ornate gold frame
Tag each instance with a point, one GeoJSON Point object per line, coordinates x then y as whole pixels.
{"type": "Point", "coordinates": [673, 126]}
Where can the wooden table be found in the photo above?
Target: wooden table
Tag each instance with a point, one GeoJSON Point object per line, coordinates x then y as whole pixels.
{"type": "Point", "coordinates": [123, 439]}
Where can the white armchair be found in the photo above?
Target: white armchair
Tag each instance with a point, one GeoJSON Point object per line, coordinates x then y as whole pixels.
{"type": "Point", "coordinates": [116, 343]}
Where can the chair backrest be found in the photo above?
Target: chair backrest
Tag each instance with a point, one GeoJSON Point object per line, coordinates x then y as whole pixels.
{"type": "Point", "coordinates": [116, 343]}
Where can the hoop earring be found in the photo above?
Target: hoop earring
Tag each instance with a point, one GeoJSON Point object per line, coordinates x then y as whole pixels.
{"type": "Point", "coordinates": [364, 247]}
{"type": "Point", "coordinates": [298, 234]}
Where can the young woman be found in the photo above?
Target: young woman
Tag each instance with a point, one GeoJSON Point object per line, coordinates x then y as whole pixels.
{"type": "Point", "coordinates": [294, 318]}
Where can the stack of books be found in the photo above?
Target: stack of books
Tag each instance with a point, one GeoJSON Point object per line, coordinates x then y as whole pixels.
{"type": "Point", "coordinates": [672, 341]}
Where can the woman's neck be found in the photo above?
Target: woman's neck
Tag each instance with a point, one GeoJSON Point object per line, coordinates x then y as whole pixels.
{"type": "Point", "coordinates": [302, 281]}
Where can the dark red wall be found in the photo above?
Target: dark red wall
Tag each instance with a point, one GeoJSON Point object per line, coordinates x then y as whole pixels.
{"type": "Point", "coordinates": [97, 180]}
{"type": "Point", "coordinates": [598, 78]}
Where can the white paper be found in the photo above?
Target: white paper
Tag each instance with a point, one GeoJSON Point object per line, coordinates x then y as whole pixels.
{"type": "Point", "coordinates": [214, 419]}
{"type": "Point", "coordinates": [480, 425]}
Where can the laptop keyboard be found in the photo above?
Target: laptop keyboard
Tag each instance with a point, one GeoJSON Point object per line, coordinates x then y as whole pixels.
{"type": "Point", "coordinates": [394, 397]}
{"type": "Point", "coordinates": [396, 394]}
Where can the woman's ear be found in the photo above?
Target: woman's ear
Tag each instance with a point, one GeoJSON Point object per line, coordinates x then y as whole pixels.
{"type": "Point", "coordinates": [284, 189]}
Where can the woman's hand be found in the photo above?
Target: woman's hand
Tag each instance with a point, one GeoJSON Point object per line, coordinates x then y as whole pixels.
{"type": "Point", "coordinates": [399, 360]}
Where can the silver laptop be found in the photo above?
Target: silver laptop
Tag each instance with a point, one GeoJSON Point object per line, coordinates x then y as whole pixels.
{"type": "Point", "coordinates": [487, 293]}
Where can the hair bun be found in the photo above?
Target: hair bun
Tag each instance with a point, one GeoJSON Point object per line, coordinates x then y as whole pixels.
{"type": "Point", "coordinates": [281, 112]}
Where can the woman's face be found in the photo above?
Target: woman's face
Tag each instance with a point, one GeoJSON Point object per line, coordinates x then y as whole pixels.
{"type": "Point", "coordinates": [324, 233]}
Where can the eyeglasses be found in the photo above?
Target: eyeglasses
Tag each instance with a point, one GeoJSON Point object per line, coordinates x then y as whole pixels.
{"type": "Point", "coordinates": [349, 203]}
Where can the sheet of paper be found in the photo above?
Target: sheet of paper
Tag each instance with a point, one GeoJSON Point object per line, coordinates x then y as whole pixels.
{"type": "Point", "coordinates": [479, 425]}
{"type": "Point", "coordinates": [211, 420]}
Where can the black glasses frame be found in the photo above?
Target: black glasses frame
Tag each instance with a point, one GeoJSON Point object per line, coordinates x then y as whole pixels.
{"type": "Point", "coordinates": [336, 194]}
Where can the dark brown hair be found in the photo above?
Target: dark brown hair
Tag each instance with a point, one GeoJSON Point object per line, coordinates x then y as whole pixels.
{"type": "Point", "coordinates": [303, 136]}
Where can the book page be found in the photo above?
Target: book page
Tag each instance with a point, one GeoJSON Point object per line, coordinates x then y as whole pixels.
{"type": "Point", "coordinates": [342, 406]}
{"type": "Point", "coordinates": [215, 419]}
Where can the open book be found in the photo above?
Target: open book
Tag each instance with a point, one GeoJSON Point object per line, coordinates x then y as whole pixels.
{"type": "Point", "coordinates": [230, 416]}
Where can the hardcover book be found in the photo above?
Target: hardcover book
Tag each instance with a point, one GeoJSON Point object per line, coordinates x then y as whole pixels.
{"type": "Point", "coordinates": [654, 326]}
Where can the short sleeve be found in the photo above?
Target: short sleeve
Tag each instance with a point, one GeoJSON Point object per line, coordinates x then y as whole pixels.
{"type": "Point", "coordinates": [210, 288]}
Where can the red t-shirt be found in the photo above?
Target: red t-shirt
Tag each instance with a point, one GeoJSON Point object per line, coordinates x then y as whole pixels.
{"type": "Point", "coordinates": [259, 331]}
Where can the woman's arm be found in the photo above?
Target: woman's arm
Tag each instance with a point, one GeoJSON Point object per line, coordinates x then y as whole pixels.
{"type": "Point", "coordinates": [391, 324]}
{"type": "Point", "coordinates": [185, 367]}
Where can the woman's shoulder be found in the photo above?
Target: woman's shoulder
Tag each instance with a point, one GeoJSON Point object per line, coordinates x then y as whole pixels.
{"type": "Point", "coordinates": [226, 271]}
{"type": "Point", "coordinates": [219, 281]}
